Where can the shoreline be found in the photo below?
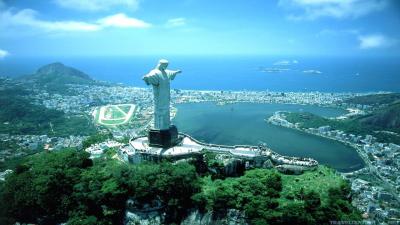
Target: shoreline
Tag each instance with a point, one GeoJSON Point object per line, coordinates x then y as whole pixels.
{"type": "Point", "coordinates": [352, 145]}
{"type": "Point", "coordinates": [342, 168]}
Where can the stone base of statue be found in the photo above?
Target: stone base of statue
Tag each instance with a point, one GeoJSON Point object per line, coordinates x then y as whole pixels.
{"type": "Point", "coordinates": [163, 138]}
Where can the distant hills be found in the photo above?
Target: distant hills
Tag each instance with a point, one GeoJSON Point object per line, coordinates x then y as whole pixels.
{"type": "Point", "coordinates": [55, 76]}
{"type": "Point", "coordinates": [384, 118]}
{"type": "Point", "coordinates": [375, 99]}
{"type": "Point", "coordinates": [20, 115]}
{"type": "Point", "coordinates": [387, 116]}
{"type": "Point", "coordinates": [378, 122]}
{"type": "Point", "coordinates": [60, 70]}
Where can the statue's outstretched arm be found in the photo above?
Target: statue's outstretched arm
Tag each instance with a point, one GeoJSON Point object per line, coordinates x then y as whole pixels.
{"type": "Point", "coordinates": [172, 73]}
{"type": "Point", "coordinates": [150, 79]}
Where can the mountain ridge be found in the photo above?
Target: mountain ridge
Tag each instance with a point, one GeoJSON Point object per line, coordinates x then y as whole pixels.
{"type": "Point", "coordinates": [384, 118]}
{"type": "Point", "coordinates": [58, 68]}
{"type": "Point", "coordinates": [55, 77]}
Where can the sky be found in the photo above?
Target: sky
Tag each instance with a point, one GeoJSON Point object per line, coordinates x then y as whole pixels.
{"type": "Point", "coordinates": [199, 27]}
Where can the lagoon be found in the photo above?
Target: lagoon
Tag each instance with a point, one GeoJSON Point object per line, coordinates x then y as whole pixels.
{"type": "Point", "coordinates": [243, 123]}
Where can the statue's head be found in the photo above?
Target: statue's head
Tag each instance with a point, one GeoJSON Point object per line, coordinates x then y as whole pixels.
{"type": "Point", "coordinates": [162, 64]}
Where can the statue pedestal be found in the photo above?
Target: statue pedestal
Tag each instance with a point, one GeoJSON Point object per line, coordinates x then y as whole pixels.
{"type": "Point", "coordinates": [163, 138]}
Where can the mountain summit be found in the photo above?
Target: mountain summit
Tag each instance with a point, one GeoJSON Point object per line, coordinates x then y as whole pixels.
{"type": "Point", "coordinates": [55, 77]}
{"type": "Point", "coordinates": [59, 69]}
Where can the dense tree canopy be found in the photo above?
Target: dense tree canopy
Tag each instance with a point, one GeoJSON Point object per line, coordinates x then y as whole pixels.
{"type": "Point", "coordinates": [258, 194]}
{"type": "Point", "coordinates": [67, 186]}
{"type": "Point", "coordinates": [96, 138]}
{"type": "Point", "coordinates": [40, 190]}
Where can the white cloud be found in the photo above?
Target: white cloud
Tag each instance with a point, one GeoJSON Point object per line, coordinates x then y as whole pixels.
{"type": "Point", "coordinates": [285, 62]}
{"type": "Point", "coordinates": [316, 72]}
{"type": "Point", "coordinates": [176, 22]}
{"type": "Point", "coordinates": [366, 41]}
{"type": "Point", "coordinates": [29, 18]}
{"type": "Point", "coordinates": [3, 53]}
{"type": "Point", "coordinates": [374, 41]}
{"type": "Point", "coordinates": [121, 20]}
{"type": "Point", "coordinates": [97, 5]}
{"type": "Point", "coordinates": [314, 9]}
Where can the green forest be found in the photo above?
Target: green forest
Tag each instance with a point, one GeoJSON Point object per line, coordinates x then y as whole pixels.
{"type": "Point", "coordinates": [67, 186]}
{"type": "Point", "coordinates": [20, 116]}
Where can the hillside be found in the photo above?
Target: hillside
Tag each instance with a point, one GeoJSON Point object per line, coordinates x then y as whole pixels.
{"type": "Point", "coordinates": [61, 70]}
{"type": "Point", "coordinates": [19, 116]}
{"type": "Point", "coordinates": [375, 99]}
{"type": "Point", "coordinates": [385, 118]}
{"type": "Point", "coordinates": [55, 76]}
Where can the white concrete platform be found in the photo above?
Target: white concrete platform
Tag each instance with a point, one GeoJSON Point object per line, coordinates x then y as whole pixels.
{"type": "Point", "coordinates": [187, 146]}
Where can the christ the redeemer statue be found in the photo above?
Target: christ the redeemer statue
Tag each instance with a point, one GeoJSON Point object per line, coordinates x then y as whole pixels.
{"type": "Point", "coordinates": [160, 79]}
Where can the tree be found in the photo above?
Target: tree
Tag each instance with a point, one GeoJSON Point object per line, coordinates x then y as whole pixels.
{"type": "Point", "coordinates": [171, 185]}
{"type": "Point", "coordinates": [84, 220]}
{"type": "Point", "coordinates": [312, 201]}
{"type": "Point", "coordinates": [101, 192]}
{"type": "Point", "coordinates": [96, 138]}
{"type": "Point", "coordinates": [295, 213]}
{"type": "Point", "coordinates": [39, 192]}
{"type": "Point", "coordinates": [255, 193]}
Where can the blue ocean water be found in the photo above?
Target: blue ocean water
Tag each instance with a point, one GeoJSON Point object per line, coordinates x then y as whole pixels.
{"type": "Point", "coordinates": [338, 74]}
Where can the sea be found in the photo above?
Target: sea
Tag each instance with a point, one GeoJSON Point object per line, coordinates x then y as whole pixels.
{"type": "Point", "coordinates": [260, 73]}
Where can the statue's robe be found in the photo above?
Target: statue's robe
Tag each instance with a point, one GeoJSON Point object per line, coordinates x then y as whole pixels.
{"type": "Point", "coordinates": [160, 80]}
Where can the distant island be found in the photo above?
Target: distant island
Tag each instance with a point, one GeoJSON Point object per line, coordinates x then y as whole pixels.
{"type": "Point", "coordinates": [312, 72]}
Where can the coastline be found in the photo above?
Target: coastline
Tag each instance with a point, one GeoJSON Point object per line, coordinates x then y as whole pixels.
{"type": "Point", "coordinates": [294, 127]}
{"type": "Point", "coordinates": [195, 118]}
{"type": "Point", "coordinates": [279, 120]}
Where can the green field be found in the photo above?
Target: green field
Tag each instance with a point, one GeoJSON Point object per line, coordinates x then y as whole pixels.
{"type": "Point", "coordinates": [113, 115]}
{"type": "Point", "coordinates": [115, 112]}
{"type": "Point", "coordinates": [112, 122]}
{"type": "Point", "coordinates": [125, 108]}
